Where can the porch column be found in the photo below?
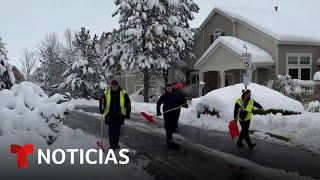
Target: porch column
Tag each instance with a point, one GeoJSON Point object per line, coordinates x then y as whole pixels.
{"type": "Point", "coordinates": [222, 79]}
{"type": "Point", "coordinates": [201, 83]}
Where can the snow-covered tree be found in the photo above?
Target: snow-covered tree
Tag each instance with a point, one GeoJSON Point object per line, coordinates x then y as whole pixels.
{"type": "Point", "coordinates": [84, 75]}
{"type": "Point", "coordinates": [153, 35]}
{"type": "Point", "coordinates": [29, 63]}
{"type": "Point", "coordinates": [52, 63]}
{"type": "Point", "coordinates": [6, 76]}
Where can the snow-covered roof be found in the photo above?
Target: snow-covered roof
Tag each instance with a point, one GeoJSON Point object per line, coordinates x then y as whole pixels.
{"type": "Point", "coordinates": [236, 45]}
{"type": "Point", "coordinates": [295, 21]}
{"type": "Point", "coordinates": [316, 76]}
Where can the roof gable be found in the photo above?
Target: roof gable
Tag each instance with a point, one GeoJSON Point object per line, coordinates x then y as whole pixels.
{"type": "Point", "coordinates": [236, 46]}
{"type": "Point", "coordinates": [285, 25]}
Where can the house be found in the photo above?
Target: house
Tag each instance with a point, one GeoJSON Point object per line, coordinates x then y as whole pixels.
{"type": "Point", "coordinates": [281, 41]}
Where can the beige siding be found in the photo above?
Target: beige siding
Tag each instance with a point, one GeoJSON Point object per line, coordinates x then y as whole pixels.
{"type": "Point", "coordinates": [256, 38]}
{"type": "Point", "coordinates": [284, 49]}
{"type": "Point", "coordinates": [217, 21]}
{"type": "Point", "coordinates": [203, 40]}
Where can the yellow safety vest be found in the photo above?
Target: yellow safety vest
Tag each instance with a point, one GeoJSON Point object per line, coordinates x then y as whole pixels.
{"type": "Point", "coordinates": [249, 109]}
{"type": "Point", "coordinates": [107, 94]}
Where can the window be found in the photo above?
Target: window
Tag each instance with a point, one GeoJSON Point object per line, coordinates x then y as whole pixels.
{"type": "Point", "coordinates": [293, 60]}
{"type": "Point", "coordinates": [294, 73]}
{"type": "Point", "coordinates": [194, 78]}
{"type": "Point", "coordinates": [299, 66]}
{"type": "Point", "coordinates": [305, 60]}
{"type": "Point", "coordinates": [216, 33]}
{"type": "Point", "coordinates": [305, 73]}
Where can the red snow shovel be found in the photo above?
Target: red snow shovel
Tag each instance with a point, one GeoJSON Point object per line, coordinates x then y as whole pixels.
{"type": "Point", "coordinates": [100, 143]}
{"type": "Point", "coordinates": [233, 129]}
{"type": "Point", "coordinates": [150, 117]}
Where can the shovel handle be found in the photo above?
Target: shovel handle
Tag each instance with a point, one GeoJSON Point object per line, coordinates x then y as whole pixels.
{"type": "Point", "coordinates": [174, 109]}
{"type": "Point", "coordinates": [102, 127]}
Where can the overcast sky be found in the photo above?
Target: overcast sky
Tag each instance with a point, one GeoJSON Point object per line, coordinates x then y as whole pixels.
{"type": "Point", "coordinates": [25, 22]}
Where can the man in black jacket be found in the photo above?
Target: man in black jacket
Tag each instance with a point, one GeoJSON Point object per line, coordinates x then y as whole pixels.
{"type": "Point", "coordinates": [170, 100]}
{"type": "Point", "coordinates": [243, 112]}
{"type": "Point", "coordinates": [115, 105]}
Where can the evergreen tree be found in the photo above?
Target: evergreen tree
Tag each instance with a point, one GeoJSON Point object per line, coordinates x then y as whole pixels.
{"type": "Point", "coordinates": [52, 64]}
{"type": "Point", "coordinates": [6, 76]}
{"type": "Point", "coordinates": [83, 76]}
{"type": "Point", "coordinates": [153, 35]}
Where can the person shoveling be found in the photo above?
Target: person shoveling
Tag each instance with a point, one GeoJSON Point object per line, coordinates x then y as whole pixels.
{"type": "Point", "coordinates": [172, 102]}
{"type": "Point", "coordinates": [243, 112]}
{"type": "Point", "coordinates": [115, 107]}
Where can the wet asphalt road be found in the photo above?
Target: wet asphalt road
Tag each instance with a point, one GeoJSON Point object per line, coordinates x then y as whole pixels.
{"type": "Point", "coordinates": [192, 164]}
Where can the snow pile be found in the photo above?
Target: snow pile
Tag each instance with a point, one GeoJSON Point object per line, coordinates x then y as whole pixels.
{"type": "Point", "coordinates": [314, 106]}
{"type": "Point", "coordinates": [27, 110]}
{"type": "Point", "coordinates": [223, 99]}
{"type": "Point", "coordinates": [316, 76]}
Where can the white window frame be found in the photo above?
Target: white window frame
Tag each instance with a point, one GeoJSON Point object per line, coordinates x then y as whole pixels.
{"type": "Point", "coordinates": [299, 66]}
{"type": "Point", "coordinates": [217, 33]}
{"type": "Point", "coordinates": [194, 73]}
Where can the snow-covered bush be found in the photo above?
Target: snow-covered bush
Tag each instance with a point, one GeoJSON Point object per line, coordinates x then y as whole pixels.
{"type": "Point", "coordinates": [314, 106]}
{"type": "Point", "coordinates": [289, 87]}
{"type": "Point", "coordinates": [191, 91]}
{"type": "Point", "coordinates": [6, 76]}
{"type": "Point", "coordinates": [27, 108]}
{"type": "Point", "coordinates": [284, 84]}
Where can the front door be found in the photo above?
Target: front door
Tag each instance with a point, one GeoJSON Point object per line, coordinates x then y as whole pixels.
{"type": "Point", "coordinates": [230, 79]}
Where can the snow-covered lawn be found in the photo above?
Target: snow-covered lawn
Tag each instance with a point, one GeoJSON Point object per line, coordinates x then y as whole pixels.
{"type": "Point", "coordinates": [303, 129]}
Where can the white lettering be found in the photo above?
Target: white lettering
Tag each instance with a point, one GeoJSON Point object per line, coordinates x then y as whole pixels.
{"type": "Point", "coordinates": [88, 156]}
{"type": "Point", "coordinates": [124, 156]}
{"type": "Point", "coordinates": [54, 156]}
{"type": "Point", "coordinates": [72, 154]}
{"type": "Point", "coordinates": [45, 157]}
{"type": "Point", "coordinates": [112, 158]}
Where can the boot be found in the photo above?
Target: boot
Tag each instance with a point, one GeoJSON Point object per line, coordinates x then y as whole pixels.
{"type": "Point", "coordinates": [240, 144]}
{"type": "Point", "coordinates": [173, 146]}
{"type": "Point", "coordinates": [251, 146]}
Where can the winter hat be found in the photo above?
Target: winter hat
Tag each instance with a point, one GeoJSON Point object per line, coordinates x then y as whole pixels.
{"type": "Point", "coordinates": [114, 83]}
{"type": "Point", "coordinates": [179, 86]}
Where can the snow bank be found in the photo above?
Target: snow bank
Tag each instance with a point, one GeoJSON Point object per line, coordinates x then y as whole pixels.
{"type": "Point", "coordinates": [27, 109]}
{"type": "Point", "coordinates": [223, 99]}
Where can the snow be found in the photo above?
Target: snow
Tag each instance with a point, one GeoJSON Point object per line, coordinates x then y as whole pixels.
{"type": "Point", "coordinates": [259, 56]}
{"type": "Point", "coordinates": [317, 76]}
{"type": "Point", "coordinates": [314, 106]}
{"type": "Point", "coordinates": [26, 108]}
{"type": "Point", "coordinates": [303, 129]}
{"type": "Point", "coordinates": [223, 99]}
{"type": "Point", "coordinates": [85, 102]}
{"type": "Point", "coordinates": [283, 25]}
